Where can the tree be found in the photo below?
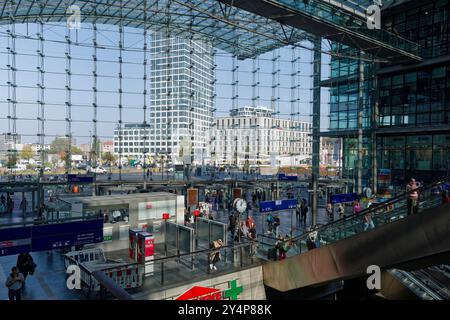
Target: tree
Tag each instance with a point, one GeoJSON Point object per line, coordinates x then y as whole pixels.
{"type": "Point", "coordinates": [60, 146]}
{"type": "Point", "coordinates": [27, 152]}
{"type": "Point", "coordinates": [76, 150]}
{"type": "Point", "coordinates": [12, 161]}
{"type": "Point", "coordinates": [109, 157]}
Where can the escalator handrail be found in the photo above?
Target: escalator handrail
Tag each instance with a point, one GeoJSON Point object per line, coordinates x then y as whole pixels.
{"type": "Point", "coordinates": [373, 208]}
{"type": "Point", "coordinates": [379, 206]}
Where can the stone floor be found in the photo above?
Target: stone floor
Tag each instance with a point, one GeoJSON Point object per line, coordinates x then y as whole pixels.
{"type": "Point", "coordinates": [47, 283]}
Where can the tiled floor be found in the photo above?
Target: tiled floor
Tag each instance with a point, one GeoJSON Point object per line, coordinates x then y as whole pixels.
{"type": "Point", "coordinates": [48, 281]}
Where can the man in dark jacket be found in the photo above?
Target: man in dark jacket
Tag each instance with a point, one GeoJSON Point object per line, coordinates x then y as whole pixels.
{"type": "Point", "coordinates": [26, 265]}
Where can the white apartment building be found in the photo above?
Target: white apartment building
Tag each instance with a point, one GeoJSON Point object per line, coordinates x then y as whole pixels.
{"type": "Point", "coordinates": [129, 141]}
{"type": "Point", "coordinates": [253, 134]}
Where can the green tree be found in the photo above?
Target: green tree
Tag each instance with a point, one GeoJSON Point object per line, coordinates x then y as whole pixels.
{"type": "Point", "coordinates": [108, 157]}
{"type": "Point", "coordinates": [27, 152]}
{"type": "Point", "coordinates": [76, 150]}
{"type": "Point", "coordinates": [12, 161]}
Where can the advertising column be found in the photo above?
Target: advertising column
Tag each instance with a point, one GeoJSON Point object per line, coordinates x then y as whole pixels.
{"type": "Point", "coordinates": [146, 251]}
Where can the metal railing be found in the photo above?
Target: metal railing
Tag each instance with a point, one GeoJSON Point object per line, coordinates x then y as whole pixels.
{"type": "Point", "coordinates": [183, 267]}
{"type": "Point", "coordinates": [383, 213]}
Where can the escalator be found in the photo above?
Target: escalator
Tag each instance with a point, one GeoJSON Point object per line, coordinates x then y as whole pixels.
{"type": "Point", "coordinates": [346, 249]}
{"type": "Point", "coordinates": [432, 283]}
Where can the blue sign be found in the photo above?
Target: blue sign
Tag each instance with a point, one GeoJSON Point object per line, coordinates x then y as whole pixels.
{"type": "Point", "coordinates": [269, 206]}
{"type": "Point", "coordinates": [50, 236]}
{"type": "Point", "coordinates": [54, 236]}
{"type": "Point", "coordinates": [346, 197]}
{"type": "Point", "coordinates": [79, 178]}
{"type": "Point", "coordinates": [284, 177]}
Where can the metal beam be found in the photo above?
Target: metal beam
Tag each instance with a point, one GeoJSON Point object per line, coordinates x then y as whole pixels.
{"type": "Point", "coordinates": [316, 127]}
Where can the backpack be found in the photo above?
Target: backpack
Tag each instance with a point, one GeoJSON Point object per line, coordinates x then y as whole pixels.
{"type": "Point", "coordinates": [277, 220]}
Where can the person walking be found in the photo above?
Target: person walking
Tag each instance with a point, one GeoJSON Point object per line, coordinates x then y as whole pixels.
{"type": "Point", "coordinates": [356, 208]}
{"type": "Point", "coordinates": [14, 283]}
{"type": "Point", "coordinates": [23, 204]}
{"type": "Point", "coordinates": [276, 225]}
{"type": "Point", "coordinates": [368, 222]}
{"type": "Point", "coordinates": [26, 265]}
{"type": "Point", "coordinates": [270, 222]}
{"type": "Point", "coordinates": [304, 211]}
{"type": "Point", "coordinates": [298, 210]}
{"type": "Point", "coordinates": [330, 213]}
{"type": "Point", "coordinates": [341, 211]}
{"type": "Point", "coordinates": [215, 254]}
{"type": "Point", "coordinates": [413, 197]}
{"type": "Point", "coordinates": [232, 225]}
{"type": "Point", "coordinates": [252, 237]}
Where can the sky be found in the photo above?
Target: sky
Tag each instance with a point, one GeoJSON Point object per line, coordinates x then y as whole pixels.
{"type": "Point", "coordinates": [55, 47]}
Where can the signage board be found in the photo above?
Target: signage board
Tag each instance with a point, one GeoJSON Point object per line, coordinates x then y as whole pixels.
{"type": "Point", "coordinates": [53, 236]}
{"type": "Point", "coordinates": [278, 205]}
{"type": "Point", "coordinates": [345, 197]}
{"type": "Point", "coordinates": [284, 177]}
{"type": "Point", "coordinates": [192, 197]}
{"type": "Point", "coordinates": [50, 236]}
{"type": "Point", "coordinates": [72, 178]}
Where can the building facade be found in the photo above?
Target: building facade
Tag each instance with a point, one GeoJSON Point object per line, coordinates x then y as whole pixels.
{"type": "Point", "coordinates": [253, 135]}
{"type": "Point", "coordinates": [182, 89]}
{"type": "Point", "coordinates": [130, 140]}
{"type": "Point", "coordinates": [9, 145]}
{"type": "Point", "coordinates": [406, 107]}
{"type": "Point", "coordinates": [107, 146]}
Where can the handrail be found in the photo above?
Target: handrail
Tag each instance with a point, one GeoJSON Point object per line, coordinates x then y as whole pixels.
{"type": "Point", "coordinates": [116, 290]}
{"type": "Point", "coordinates": [177, 256]}
{"type": "Point", "coordinates": [372, 208]}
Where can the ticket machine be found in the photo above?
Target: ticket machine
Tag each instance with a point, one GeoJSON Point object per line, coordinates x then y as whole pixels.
{"type": "Point", "coordinates": [146, 250]}
{"type": "Point", "coordinates": [133, 243]}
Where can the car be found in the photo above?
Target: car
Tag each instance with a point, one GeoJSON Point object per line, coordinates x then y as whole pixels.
{"type": "Point", "coordinates": [99, 170]}
{"type": "Point", "coordinates": [81, 166]}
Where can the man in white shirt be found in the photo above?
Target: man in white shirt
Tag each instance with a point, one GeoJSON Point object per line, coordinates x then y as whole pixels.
{"type": "Point", "coordinates": [14, 283]}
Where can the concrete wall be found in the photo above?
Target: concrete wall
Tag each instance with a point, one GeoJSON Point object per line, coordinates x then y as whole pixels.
{"type": "Point", "coordinates": [250, 279]}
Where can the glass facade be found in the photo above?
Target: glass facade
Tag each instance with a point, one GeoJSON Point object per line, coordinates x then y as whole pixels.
{"type": "Point", "coordinates": [344, 94]}
{"type": "Point", "coordinates": [424, 157]}
{"type": "Point", "coordinates": [416, 97]}
{"type": "Point", "coordinates": [426, 24]}
{"type": "Point", "coordinates": [350, 159]}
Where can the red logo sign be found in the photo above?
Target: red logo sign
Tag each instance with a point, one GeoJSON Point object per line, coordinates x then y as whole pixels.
{"type": "Point", "coordinates": [205, 293]}
{"type": "Point", "coordinates": [165, 216]}
{"type": "Point", "coordinates": [201, 293]}
{"type": "Point", "coordinates": [149, 206]}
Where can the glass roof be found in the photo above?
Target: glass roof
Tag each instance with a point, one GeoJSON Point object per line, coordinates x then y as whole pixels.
{"type": "Point", "coordinates": [227, 28]}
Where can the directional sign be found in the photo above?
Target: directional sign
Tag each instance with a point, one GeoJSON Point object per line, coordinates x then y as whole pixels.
{"type": "Point", "coordinates": [284, 177]}
{"type": "Point", "coordinates": [50, 236]}
{"type": "Point", "coordinates": [278, 205]}
{"type": "Point", "coordinates": [345, 197]}
{"type": "Point", "coordinates": [79, 178]}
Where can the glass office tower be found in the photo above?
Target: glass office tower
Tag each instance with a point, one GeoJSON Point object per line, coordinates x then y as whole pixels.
{"type": "Point", "coordinates": [410, 102]}
{"type": "Point", "coordinates": [182, 89]}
